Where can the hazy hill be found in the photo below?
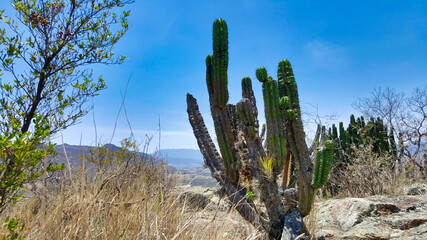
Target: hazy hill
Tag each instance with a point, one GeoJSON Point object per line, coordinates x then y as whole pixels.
{"type": "Point", "coordinates": [72, 152]}
{"type": "Point", "coordinates": [177, 158]}
{"type": "Point", "coordinates": [183, 158]}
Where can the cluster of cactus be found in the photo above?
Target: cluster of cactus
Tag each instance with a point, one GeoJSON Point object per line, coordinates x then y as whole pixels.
{"type": "Point", "coordinates": [238, 168]}
{"type": "Point", "coordinates": [361, 133]}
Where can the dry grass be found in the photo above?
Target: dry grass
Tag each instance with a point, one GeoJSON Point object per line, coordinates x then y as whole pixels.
{"type": "Point", "coordinates": [125, 200]}
{"type": "Point", "coordinates": [140, 199]}
{"type": "Point", "coordinates": [310, 220]}
{"type": "Point", "coordinates": [370, 174]}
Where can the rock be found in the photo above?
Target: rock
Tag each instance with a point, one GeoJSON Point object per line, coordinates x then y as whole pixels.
{"type": "Point", "coordinates": [290, 197]}
{"type": "Point", "coordinates": [195, 201]}
{"type": "Point", "coordinates": [376, 217]}
{"type": "Point", "coordinates": [210, 199]}
{"type": "Point", "coordinates": [416, 189]}
{"type": "Point", "coordinates": [293, 226]}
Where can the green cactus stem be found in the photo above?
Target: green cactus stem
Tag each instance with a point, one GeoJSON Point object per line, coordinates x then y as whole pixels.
{"type": "Point", "coordinates": [287, 84]}
{"type": "Point", "coordinates": [248, 93]}
{"type": "Point", "coordinates": [285, 103]}
{"type": "Point", "coordinates": [221, 128]}
{"type": "Point", "coordinates": [323, 165]}
{"type": "Point", "coordinates": [261, 74]}
{"type": "Point", "coordinates": [247, 117]}
{"type": "Point", "coordinates": [220, 62]}
{"type": "Point", "coordinates": [275, 137]}
{"type": "Point", "coordinates": [209, 77]}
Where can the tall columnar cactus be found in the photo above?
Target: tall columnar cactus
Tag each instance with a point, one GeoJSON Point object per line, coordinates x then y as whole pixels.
{"type": "Point", "coordinates": [360, 134]}
{"type": "Point", "coordinates": [275, 133]}
{"type": "Point", "coordinates": [296, 137]}
{"type": "Point", "coordinates": [216, 80]}
{"type": "Point", "coordinates": [220, 62]}
{"type": "Point", "coordinates": [334, 132]}
{"type": "Point", "coordinates": [243, 164]}
{"type": "Point", "coordinates": [323, 165]}
{"type": "Point", "coordinates": [344, 139]}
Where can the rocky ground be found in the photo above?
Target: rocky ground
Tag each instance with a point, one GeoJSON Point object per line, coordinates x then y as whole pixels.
{"type": "Point", "coordinates": [375, 217]}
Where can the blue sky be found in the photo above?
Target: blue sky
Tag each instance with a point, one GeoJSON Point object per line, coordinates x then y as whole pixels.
{"type": "Point", "coordinates": [339, 50]}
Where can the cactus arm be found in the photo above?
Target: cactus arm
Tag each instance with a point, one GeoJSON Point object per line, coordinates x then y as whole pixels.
{"type": "Point", "coordinates": [248, 93]}
{"type": "Point", "coordinates": [323, 165]}
{"type": "Point", "coordinates": [209, 78]}
{"type": "Point", "coordinates": [275, 135]}
{"type": "Point", "coordinates": [261, 74]}
{"type": "Point", "coordinates": [315, 142]}
{"type": "Point", "coordinates": [318, 169]}
{"type": "Point", "coordinates": [304, 168]}
{"type": "Point", "coordinates": [250, 159]}
{"type": "Point", "coordinates": [296, 138]}
{"type": "Point", "coordinates": [247, 118]}
{"type": "Point", "coordinates": [207, 147]}
{"type": "Point", "coordinates": [213, 161]}
{"type": "Point", "coordinates": [220, 62]}
{"type": "Point", "coordinates": [220, 128]}
{"type": "Point", "coordinates": [287, 80]}
{"type": "Point", "coordinates": [323, 135]}
{"type": "Point", "coordinates": [223, 115]}
{"type": "Point", "coordinates": [326, 165]}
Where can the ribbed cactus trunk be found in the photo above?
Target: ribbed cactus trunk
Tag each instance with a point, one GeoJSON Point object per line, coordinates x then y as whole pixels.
{"type": "Point", "coordinates": [220, 62]}
{"type": "Point", "coordinates": [276, 146]}
{"type": "Point", "coordinates": [240, 167]}
{"type": "Point", "coordinates": [296, 137]}
{"type": "Point", "coordinates": [222, 114]}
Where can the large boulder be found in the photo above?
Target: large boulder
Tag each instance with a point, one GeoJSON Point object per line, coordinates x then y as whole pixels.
{"type": "Point", "coordinates": [376, 217]}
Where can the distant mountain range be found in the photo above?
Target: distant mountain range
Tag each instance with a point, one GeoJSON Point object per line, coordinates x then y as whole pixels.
{"type": "Point", "coordinates": [185, 159]}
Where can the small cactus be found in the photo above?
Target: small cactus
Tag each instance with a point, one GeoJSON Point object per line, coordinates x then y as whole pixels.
{"type": "Point", "coordinates": [323, 164]}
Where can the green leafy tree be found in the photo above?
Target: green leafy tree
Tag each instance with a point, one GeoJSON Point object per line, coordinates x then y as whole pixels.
{"type": "Point", "coordinates": [45, 51]}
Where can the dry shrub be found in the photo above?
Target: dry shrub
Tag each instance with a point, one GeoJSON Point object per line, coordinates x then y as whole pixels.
{"type": "Point", "coordinates": [367, 173]}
